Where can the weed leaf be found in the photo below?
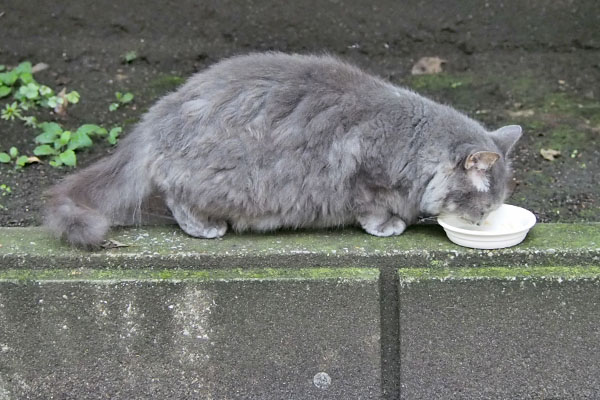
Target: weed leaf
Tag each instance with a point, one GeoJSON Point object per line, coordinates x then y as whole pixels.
{"type": "Point", "coordinates": [130, 56]}
{"type": "Point", "coordinates": [31, 91]}
{"type": "Point", "coordinates": [126, 98]}
{"type": "Point", "coordinates": [51, 127]}
{"type": "Point", "coordinates": [9, 78]}
{"type": "Point", "coordinates": [21, 161]}
{"type": "Point", "coordinates": [68, 158]}
{"type": "Point", "coordinates": [90, 129]}
{"type": "Point", "coordinates": [4, 158]}
{"type": "Point", "coordinates": [65, 137]}
{"type": "Point", "coordinates": [23, 68]}
{"type": "Point", "coordinates": [4, 91]}
{"type": "Point", "coordinates": [46, 137]}
{"type": "Point", "coordinates": [72, 97]}
{"type": "Point", "coordinates": [79, 140]}
{"type": "Point", "coordinates": [114, 134]}
{"type": "Point", "coordinates": [46, 91]}
{"type": "Point", "coordinates": [44, 150]}
{"type": "Point", "coordinates": [26, 78]}
{"type": "Point", "coordinates": [54, 101]}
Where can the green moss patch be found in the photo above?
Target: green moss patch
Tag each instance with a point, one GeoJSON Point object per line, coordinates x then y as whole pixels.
{"type": "Point", "coordinates": [439, 82]}
{"type": "Point", "coordinates": [555, 273]}
{"type": "Point", "coordinates": [262, 274]}
{"type": "Point", "coordinates": [566, 138]}
{"type": "Point", "coordinates": [569, 105]}
{"type": "Point", "coordinates": [166, 83]}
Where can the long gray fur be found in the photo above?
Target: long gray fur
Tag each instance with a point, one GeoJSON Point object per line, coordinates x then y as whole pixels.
{"type": "Point", "coordinates": [271, 140]}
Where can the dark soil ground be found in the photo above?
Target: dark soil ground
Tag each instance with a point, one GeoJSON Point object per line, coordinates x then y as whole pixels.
{"type": "Point", "coordinates": [534, 64]}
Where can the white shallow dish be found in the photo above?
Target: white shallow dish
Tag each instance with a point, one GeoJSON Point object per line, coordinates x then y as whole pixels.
{"type": "Point", "coordinates": [505, 227]}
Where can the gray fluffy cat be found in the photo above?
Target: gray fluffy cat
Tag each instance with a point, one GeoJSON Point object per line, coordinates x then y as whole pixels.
{"type": "Point", "coordinates": [271, 140]}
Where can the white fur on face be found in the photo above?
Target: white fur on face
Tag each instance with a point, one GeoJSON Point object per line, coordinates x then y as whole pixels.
{"type": "Point", "coordinates": [479, 179]}
{"type": "Point", "coordinates": [436, 191]}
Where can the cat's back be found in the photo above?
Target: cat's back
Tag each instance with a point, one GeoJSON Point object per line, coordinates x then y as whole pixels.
{"type": "Point", "coordinates": [269, 96]}
{"type": "Point", "coordinates": [273, 76]}
{"type": "Point", "coordinates": [282, 68]}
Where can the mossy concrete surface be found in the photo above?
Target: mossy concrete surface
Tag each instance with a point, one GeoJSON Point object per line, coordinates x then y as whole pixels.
{"type": "Point", "coordinates": [420, 246]}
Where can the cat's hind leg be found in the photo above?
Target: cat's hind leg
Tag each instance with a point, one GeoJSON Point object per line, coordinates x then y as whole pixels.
{"type": "Point", "coordinates": [382, 224]}
{"type": "Point", "coordinates": [194, 223]}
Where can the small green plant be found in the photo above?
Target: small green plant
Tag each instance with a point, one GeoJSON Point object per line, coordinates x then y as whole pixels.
{"type": "Point", "coordinates": [20, 83]}
{"type": "Point", "coordinates": [61, 144]}
{"type": "Point", "coordinates": [122, 99]}
{"type": "Point", "coordinates": [130, 56]}
{"type": "Point", "coordinates": [12, 111]}
{"type": "Point", "coordinates": [54, 142]}
{"type": "Point", "coordinates": [13, 156]}
{"type": "Point", "coordinates": [113, 135]}
{"type": "Point", "coordinates": [5, 190]}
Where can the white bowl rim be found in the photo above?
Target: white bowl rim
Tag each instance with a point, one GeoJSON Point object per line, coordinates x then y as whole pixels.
{"type": "Point", "coordinates": [530, 216]}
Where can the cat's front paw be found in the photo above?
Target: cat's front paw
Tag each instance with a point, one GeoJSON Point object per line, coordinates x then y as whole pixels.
{"type": "Point", "coordinates": [205, 230]}
{"type": "Point", "coordinates": [392, 227]}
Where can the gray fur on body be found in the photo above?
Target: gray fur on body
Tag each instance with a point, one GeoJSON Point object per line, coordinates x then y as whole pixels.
{"type": "Point", "coordinates": [271, 140]}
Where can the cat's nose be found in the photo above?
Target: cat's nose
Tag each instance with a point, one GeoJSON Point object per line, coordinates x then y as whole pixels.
{"type": "Point", "coordinates": [482, 216]}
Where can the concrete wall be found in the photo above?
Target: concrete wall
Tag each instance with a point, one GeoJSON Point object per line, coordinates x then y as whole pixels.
{"type": "Point", "coordinates": [312, 315]}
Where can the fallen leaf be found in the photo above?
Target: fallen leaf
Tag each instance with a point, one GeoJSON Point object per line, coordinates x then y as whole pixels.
{"type": "Point", "coordinates": [428, 65]}
{"type": "Point", "coordinates": [39, 67]}
{"type": "Point", "coordinates": [550, 154]}
{"type": "Point", "coordinates": [61, 108]}
{"type": "Point", "coordinates": [33, 159]}
{"type": "Point", "coordinates": [521, 113]}
{"type": "Point", "coordinates": [112, 244]}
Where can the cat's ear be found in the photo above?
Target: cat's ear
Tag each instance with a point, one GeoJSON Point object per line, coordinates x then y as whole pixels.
{"type": "Point", "coordinates": [481, 160]}
{"type": "Point", "coordinates": [506, 137]}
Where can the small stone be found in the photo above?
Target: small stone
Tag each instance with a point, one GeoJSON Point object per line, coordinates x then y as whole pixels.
{"type": "Point", "coordinates": [428, 66]}
{"type": "Point", "coordinates": [322, 380]}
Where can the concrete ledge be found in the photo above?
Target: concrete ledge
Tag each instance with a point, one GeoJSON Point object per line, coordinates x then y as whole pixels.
{"type": "Point", "coordinates": [420, 246]}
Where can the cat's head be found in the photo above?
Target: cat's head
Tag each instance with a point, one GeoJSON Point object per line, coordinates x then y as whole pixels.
{"type": "Point", "coordinates": [477, 183]}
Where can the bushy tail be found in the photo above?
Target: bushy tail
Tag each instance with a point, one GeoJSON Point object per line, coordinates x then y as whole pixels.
{"type": "Point", "coordinates": [82, 208]}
